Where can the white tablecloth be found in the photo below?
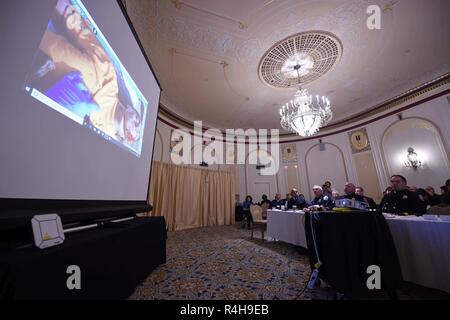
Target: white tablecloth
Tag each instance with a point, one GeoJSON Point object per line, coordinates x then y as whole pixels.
{"type": "Point", "coordinates": [423, 249]}
{"type": "Point", "coordinates": [287, 226]}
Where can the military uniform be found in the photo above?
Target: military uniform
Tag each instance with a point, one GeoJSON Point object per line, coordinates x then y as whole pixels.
{"type": "Point", "coordinates": [402, 202]}
{"type": "Point", "coordinates": [324, 200]}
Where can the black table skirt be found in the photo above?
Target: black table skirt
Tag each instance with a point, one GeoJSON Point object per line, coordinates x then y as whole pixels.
{"type": "Point", "coordinates": [113, 261]}
{"type": "Point", "coordinates": [350, 242]}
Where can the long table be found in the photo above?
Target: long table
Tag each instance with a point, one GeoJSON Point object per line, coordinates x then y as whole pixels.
{"type": "Point", "coordinates": [113, 261]}
{"type": "Point", "coordinates": [423, 250]}
{"type": "Point", "coordinates": [347, 245]}
{"type": "Point", "coordinates": [422, 246]}
{"type": "Point", "coordinates": [287, 226]}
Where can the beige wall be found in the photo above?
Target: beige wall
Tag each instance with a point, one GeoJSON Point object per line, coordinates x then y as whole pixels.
{"type": "Point", "coordinates": [290, 172]}
{"type": "Point", "coordinates": [367, 175]}
{"type": "Point", "coordinates": [425, 138]}
{"type": "Point", "coordinates": [325, 162]}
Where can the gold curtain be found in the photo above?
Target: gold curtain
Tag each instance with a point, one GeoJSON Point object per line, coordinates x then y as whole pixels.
{"type": "Point", "coordinates": [191, 197]}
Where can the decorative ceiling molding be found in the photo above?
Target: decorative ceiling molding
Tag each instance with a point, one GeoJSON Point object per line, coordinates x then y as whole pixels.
{"type": "Point", "coordinates": [179, 4]}
{"type": "Point", "coordinates": [143, 13]}
{"type": "Point", "coordinates": [374, 67]}
{"type": "Point", "coordinates": [396, 111]}
{"type": "Point", "coordinates": [389, 6]}
{"type": "Point", "coordinates": [395, 101]}
{"type": "Point", "coordinates": [224, 64]}
{"type": "Point", "coordinates": [175, 121]}
{"type": "Point", "coordinates": [174, 51]}
{"type": "Point", "coordinates": [322, 50]}
{"type": "Point", "coordinates": [349, 15]}
{"type": "Point", "coordinates": [189, 34]}
{"type": "Point", "coordinates": [248, 49]}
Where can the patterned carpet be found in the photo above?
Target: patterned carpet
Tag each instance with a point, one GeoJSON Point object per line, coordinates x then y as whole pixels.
{"type": "Point", "coordinates": [216, 263]}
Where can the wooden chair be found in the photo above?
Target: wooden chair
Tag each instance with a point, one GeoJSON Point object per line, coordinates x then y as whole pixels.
{"type": "Point", "coordinates": [265, 206]}
{"type": "Point", "coordinates": [258, 221]}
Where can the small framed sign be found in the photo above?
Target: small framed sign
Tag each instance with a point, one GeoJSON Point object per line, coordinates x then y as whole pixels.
{"type": "Point", "coordinates": [359, 140]}
{"type": "Point", "coordinates": [47, 230]}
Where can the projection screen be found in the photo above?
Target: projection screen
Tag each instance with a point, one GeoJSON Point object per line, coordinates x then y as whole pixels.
{"type": "Point", "coordinates": [79, 103]}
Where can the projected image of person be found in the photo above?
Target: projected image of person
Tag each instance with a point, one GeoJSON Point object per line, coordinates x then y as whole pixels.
{"type": "Point", "coordinates": [127, 118]}
{"type": "Point", "coordinates": [78, 71]}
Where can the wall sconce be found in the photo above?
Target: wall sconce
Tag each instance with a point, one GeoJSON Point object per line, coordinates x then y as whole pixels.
{"type": "Point", "coordinates": [413, 159]}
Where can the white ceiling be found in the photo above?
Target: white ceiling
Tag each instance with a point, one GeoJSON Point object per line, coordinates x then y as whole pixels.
{"type": "Point", "coordinates": [206, 53]}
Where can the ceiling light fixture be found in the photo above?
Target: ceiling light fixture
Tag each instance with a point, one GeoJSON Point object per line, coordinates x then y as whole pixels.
{"type": "Point", "coordinates": [413, 159]}
{"type": "Point", "coordinates": [305, 114]}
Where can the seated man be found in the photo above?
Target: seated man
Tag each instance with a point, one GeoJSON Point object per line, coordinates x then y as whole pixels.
{"type": "Point", "coordinates": [360, 191]}
{"type": "Point", "coordinates": [349, 190]}
{"type": "Point", "coordinates": [277, 202]}
{"type": "Point", "coordinates": [287, 199]}
{"type": "Point", "coordinates": [401, 201]}
{"type": "Point", "coordinates": [321, 201]}
{"type": "Point", "coordinates": [350, 193]}
{"type": "Point", "coordinates": [432, 199]}
{"type": "Point", "coordinates": [297, 200]}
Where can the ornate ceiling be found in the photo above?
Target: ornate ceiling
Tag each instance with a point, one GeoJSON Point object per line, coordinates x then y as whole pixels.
{"type": "Point", "coordinates": [206, 53]}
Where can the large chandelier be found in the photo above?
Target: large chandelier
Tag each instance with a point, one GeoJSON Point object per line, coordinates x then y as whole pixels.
{"type": "Point", "coordinates": [305, 114]}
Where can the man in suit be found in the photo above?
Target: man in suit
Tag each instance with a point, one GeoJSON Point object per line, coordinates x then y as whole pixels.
{"type": "Point", "coordinates": [432, 198]}
{"type": "Point", "coordinates": [349, 190]}
{"type": "Point", "coordinates": [402, 201]}
{"type": "Point", "coordinates": [277, 202]}
{"type": "Point", "coordinates": [297, 200]}
{"type": "Point", "coordinates": [360, 191]}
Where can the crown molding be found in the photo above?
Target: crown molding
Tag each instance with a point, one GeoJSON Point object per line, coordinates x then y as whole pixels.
{"type": "Point", "coordinates": [419, 94]}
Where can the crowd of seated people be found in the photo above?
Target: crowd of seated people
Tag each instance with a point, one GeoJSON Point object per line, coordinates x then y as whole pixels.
{"type": "Point", "coordinates": [402, 199]}
{"type": "Point", "coordinates": [398, 198]}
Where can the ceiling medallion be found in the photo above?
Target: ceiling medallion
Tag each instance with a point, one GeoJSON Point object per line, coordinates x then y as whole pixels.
{"type": "Point", "coordinates": [317, 52]}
